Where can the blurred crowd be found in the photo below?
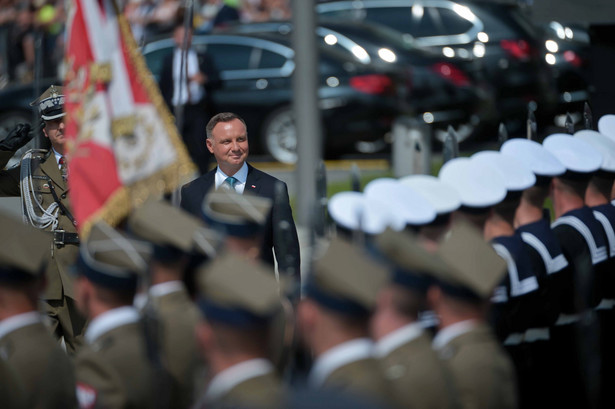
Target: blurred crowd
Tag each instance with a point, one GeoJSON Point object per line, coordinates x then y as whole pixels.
{"type": "Point", "coordinates": [24, 23]}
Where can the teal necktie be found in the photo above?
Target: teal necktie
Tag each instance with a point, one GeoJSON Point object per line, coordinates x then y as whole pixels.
{"type": "Point", "coordinates": [231, 182]}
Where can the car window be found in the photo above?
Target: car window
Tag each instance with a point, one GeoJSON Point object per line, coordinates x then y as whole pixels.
{"type": "Point", "coordinates": [417, 20]}
{"type": "Point", "coordinates": [230, 56]}
{"type": "Point", "coordinates": [269, 59]}
{"type": "Point", "coordinates": [155, 59]}
{"type": "Point", "coordinates": [452, 22]}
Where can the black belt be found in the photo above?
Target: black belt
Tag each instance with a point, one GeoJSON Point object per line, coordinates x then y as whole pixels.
{"type": "Point", "coordinates": [62, 238]}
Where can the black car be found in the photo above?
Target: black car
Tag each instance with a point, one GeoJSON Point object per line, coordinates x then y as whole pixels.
{"type": "Point", "coordinates": [358, 101]}
{"type": "Point", "coordinates": [443, 91]}
{"type": "Point", "coordinates": [497, 35]}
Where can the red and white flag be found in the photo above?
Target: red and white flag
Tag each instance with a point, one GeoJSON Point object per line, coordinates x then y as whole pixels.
{"type": "Point", "coordinates": [122, 141]}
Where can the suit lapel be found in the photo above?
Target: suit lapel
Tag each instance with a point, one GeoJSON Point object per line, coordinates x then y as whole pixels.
{"type": "Point", "coordinates": [252, 182]}
{"type": "Point", "coordinates": [51, 169]}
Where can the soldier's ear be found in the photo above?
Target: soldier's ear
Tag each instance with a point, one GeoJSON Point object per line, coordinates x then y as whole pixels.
{"type": "Point", "coordinates": [204, 336]}
{"type": "Point", "coordinates": [434, 297]}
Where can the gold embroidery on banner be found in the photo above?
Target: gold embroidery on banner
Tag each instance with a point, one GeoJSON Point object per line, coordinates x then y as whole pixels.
{"type": "Point", "coordinates": [120, 203]}
{"type": "Point", "coordinates": [124, 126]}
{"type": "Point", "coordinates": [101, 72]}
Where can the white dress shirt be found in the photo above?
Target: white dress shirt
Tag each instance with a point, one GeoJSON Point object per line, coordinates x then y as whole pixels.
{"type": "Point", "coordinates": [338, 356]}
{"type": "Point", "coordinates": [397, 338]}
{"type": "Point", "coordinates": [241, 175]}
{"type": "Point", "coordinates": [109, 320]}
{"type": "Point", "coordinates": [446, 335]}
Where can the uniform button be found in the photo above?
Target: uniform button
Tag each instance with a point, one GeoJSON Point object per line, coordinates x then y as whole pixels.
{"type": "Point", "coordinates": [39, 198]}
{"type": "Point", "coordinates": [63, 196]}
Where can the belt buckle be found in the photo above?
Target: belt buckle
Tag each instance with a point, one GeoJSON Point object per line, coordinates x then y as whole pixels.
{"type": "Point", "coordinates": [58, 238]}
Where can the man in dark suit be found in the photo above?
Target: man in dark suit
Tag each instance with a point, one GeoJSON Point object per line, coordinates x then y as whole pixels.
{"type": "Point", "coordinates": [227, 140]}
{"type": "Point", "coordinates": [192, 90]}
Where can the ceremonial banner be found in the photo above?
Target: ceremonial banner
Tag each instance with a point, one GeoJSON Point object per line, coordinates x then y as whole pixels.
{"type": "Point", "coordinates": [122, 141]}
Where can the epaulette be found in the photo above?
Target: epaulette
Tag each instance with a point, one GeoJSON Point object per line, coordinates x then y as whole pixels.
{"type": "Point", "coordinates": [37, 154]}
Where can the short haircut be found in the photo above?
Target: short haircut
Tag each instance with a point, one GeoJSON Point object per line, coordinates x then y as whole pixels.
{"type": "Point", "coordinates": [222, 117]}
{"type": "Point", "coordinates": [408, 302]}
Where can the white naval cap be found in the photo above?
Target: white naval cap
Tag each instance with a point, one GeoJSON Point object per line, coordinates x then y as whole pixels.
{"type": "Point", "coordinates": [443, 197]}
{"type": "Point", "coordinates": [606, 125]}
{"type": "Point", "coordinates": [354, 211]}
{"type": "Point", "coordinates": [516, 175]}
{"type": "Point", "coordinates": [478, 184]}
{"type": "Point", "coordinates": [402, 200]}
{"type": "Point", "coordinates": [534, 156]}
{"type": "Point", "coordinates": [576, 155]}
{"type": "Point", "coordinates": [602, 144]}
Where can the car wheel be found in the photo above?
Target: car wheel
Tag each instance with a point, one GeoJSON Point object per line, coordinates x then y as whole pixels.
{"type": "Point", "coordinates": [8, 121]}
{"type": "Point", "coordinates": [279, 135]}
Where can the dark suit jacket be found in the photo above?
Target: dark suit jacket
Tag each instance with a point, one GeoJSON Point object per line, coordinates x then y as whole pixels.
{"type": "Point", "coordinates": [260, 184]}
{"type": "Point", "coordinates": [206, 66]}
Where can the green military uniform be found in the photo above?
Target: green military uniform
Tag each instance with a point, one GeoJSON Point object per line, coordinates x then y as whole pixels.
{"type": "Point", "coordinates": [12, 394]}
{"type": "Point", "coordinates": [418, 378]}
{"type": "Point", "coordinates": [415, 373]}
{"type": "Point", "coordinates": [44, 179]}
{"type": "Point", "coordinates": [113, 369]}
{"type": "Point", "coordinates": [345, 283]}
{"type": "Point", "coordinates": [39, 363]}
{"type": "Point", "coordinates": [484, 375]}
{"type": "Point", "coordinates": [241, 295]}
{"type": "Point", "coordinates": [174, 233]}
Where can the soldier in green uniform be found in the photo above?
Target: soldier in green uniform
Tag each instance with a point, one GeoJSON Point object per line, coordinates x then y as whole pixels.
{"type": "Point", "coordinates": [173, 233]}
{"type": "Point", "coordinates": [113, 369]}
{"type": "Point", "coordinates": [238, 298]}
{"type": "Point", "coordinates": [417, 376]}
{"type": "Point", "coordinates": [333, 320]}
{"type": "Point", "coordinates": [40, 180]}
{"type": "Point", "coordinates": [37, 360]}
{"type": "Point", "coordinates": [483, 374]}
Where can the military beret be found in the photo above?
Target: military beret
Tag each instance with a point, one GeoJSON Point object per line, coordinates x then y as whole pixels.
{"type": "Point", "coordinates": [234, 214]}
{"type": "Point", "coordinates": [345, 280]}
{"type": "Point", "coordinates": [237, 292]}
{"type": "Point", "coordinates": [24, 250]}
{"type": "Point", "coordinates": [50, 103]}
{"type": "Point", "coordinates": [112, 260]}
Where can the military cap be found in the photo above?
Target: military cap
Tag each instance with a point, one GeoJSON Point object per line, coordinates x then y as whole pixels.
{"type": "Point", "coordinates": [24, 250]}
{"type": "Point", "coordinates": [602, 144]}
{"type": "Point", "coordinates": [50, 103]}
{"type": "Point", "coordinates": [473, 267]}
{"type": "Point", "coordinates": [236, 215]}
{"type": "Point", "coordinates": [606, 125]}
{"type": "Point", "coordinates": [401, 200]}
{"type": "Point", "coordinates": [534, 156]}
{"type": "Point", "coordinates": [443, 197]}
{"type": "Point", "coordinates": [413, 265]}
{"type": "Point", "coordinates": [479, 185]}
{"type": "Point", "coordinates": [112, 260]}
{"type": "Point", "coordinates": [516, 176]}
{"type": "Point", "coordinates": [577, 156]}
{"type": "Point", "coordinates": [355, 211]}
{"type": "Point", "coordinates": [345, 280]}
{"type": "Point", "coordinates": [237, 292]}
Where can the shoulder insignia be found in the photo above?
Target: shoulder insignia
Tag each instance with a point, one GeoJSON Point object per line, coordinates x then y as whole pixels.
{"type": "Point", "coordinates": [86, 396]}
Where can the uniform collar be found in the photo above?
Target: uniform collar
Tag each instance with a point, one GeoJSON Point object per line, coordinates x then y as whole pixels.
{"type": "Point", "coordinates": [162, 289]}
{"type": "Point", "coordinates": [338, 356]}
{"type": "Point", "coordinates": [226, 380]}
{"type": "Point", "coordinates": [57, 156]}
{"type": "Point", "coordinates": [446, 335]}
{"type": "Point", "coordinates": [16, 322]}
{"type": "Point", "coordinates": [397, 338]}
{"type": "Point", "coordinates": [109, 320]}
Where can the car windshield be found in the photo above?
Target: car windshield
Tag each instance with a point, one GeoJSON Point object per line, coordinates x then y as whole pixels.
{"type": "Point", "coordinates": [378, 32]}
